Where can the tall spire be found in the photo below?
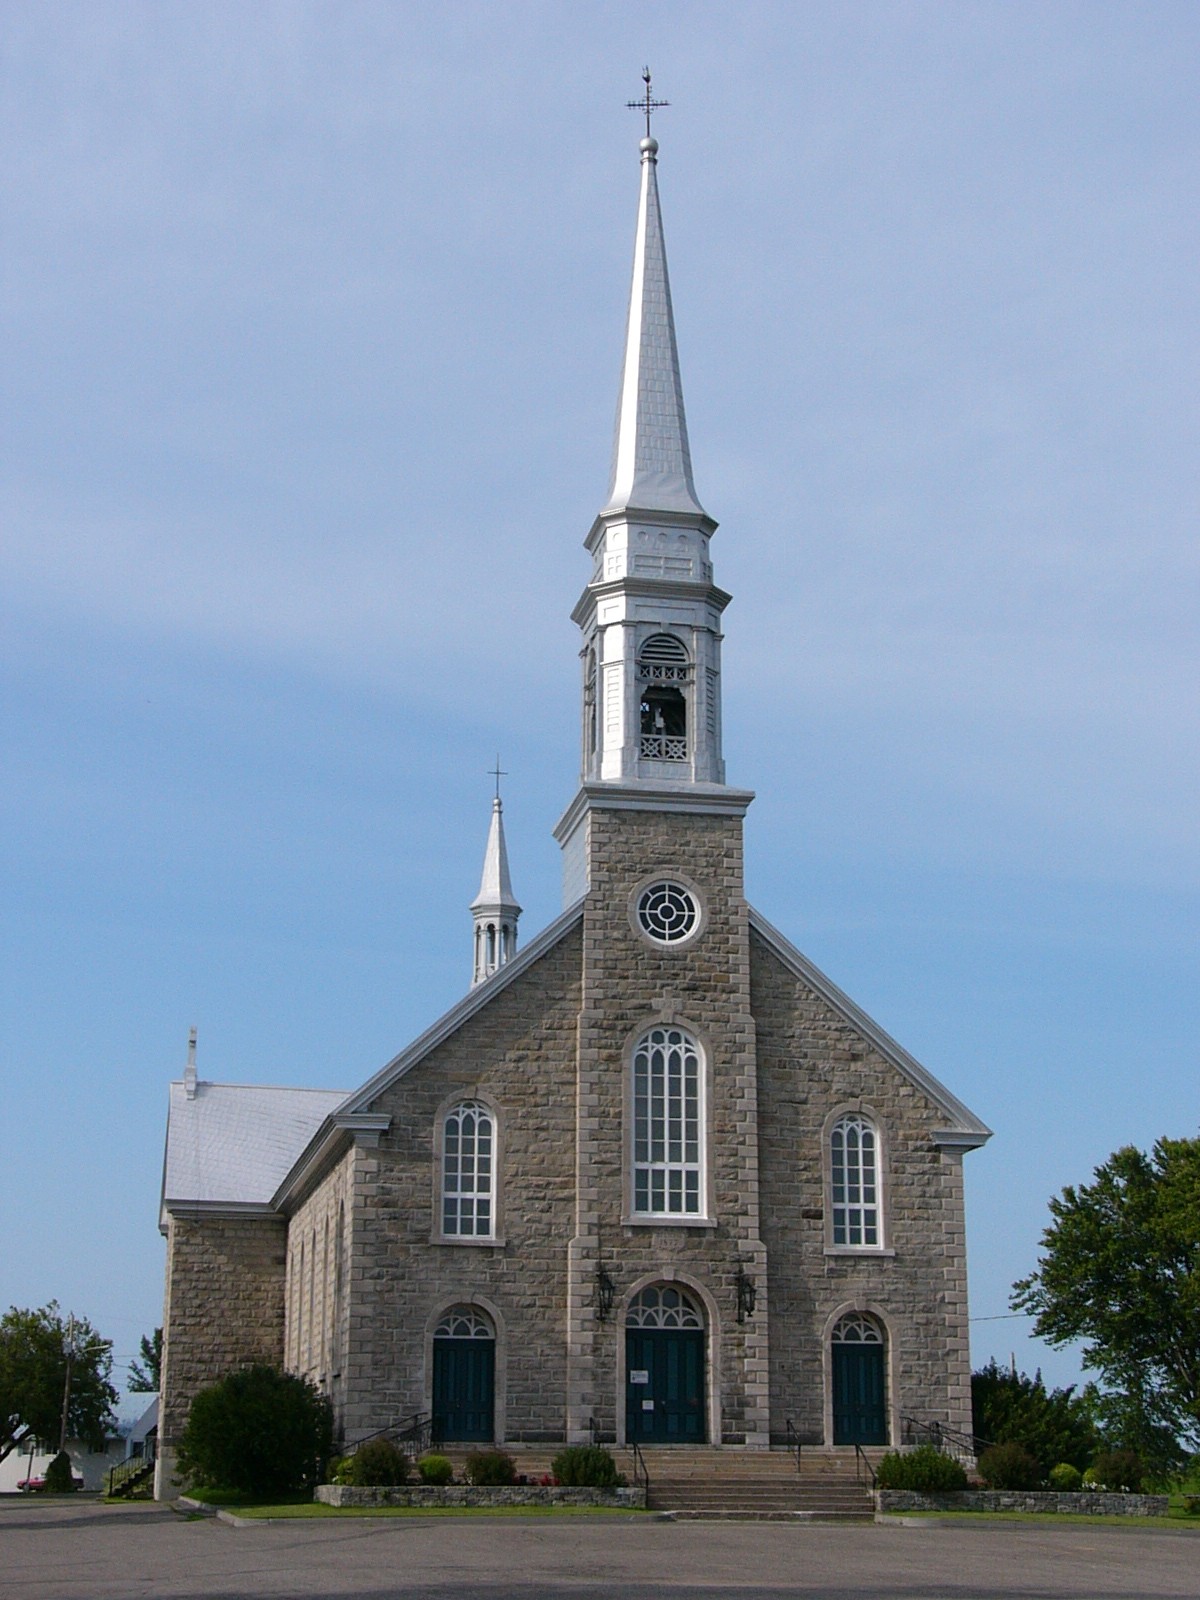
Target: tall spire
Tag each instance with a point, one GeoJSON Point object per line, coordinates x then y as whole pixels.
{"type": "Point", "coordinates": [494, 908]}
{"type": "Point", "coordinates": [652, 465]}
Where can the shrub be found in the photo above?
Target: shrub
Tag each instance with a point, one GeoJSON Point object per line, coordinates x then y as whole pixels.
{"type": "Point", "coordinates": [258, 1432]}
{"type": "Point", "coordinates": [494, 1468]}
{"type": "Point", "coordinates": [338, 1470]}
{"type": "Point", "coordinates": [1009, 1466]}
{"type": "Point", "coordinates": [1065, 1478]}
{"type": "Point", "coordinates": [586, 1465]}
{"type": "Point", "coordinates": [1118, 1470]}
{"type": "Point", "coordinates": [925, 1469]}
{"type": "Point", "coordinates": [435, 1470]}
{"type": "Point", "coordinates": [59, 1477]}
{"type": "Point", "coordinates": [378, 1463]}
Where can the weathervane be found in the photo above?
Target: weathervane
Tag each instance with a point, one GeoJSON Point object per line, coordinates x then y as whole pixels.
{"type": "Point", "coordinates": [497, 773]}
{"type": "Point", "coordinates": [646, 104]}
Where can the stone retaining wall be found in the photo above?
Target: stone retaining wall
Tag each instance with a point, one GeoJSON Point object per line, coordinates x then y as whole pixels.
{"type": "Point", "coordinates": [1096, 1503]}
{"type": "Point", "coordinates": [337, 1494]}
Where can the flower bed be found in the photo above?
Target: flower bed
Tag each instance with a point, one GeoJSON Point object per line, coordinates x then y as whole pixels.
{"type": "Point", "coordinates": [1090, 1502]}
{"type": "Point", "coordinates": [418, 1495]}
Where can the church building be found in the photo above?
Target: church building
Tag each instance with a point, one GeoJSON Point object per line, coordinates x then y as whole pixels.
{"type": "Point", "coordinates": [654, 1178]}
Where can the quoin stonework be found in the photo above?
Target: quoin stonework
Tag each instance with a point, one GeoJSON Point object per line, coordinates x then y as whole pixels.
{"type": "Point", "coordinates": [655, 1178]}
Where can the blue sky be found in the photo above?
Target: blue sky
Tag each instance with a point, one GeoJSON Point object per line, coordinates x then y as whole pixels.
{"type": "Point", "coordinates": [312, 317]}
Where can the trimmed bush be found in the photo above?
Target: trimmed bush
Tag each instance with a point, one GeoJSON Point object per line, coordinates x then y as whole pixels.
{"type": "Point", "coordinates": [926, 1470]}
{"type": "Point", "coordinates": [1009, 1466]}
{"type": "Point", "coordinates": [491, 1468]}
{"type": "Point", "coordinates": [378, 1463]}
{"type": "Point", "coordinates": [1067, 1479]}
{"type": "Point", "coordinates": [259, 1432]}
{"type": "Point", "coordinates": [1118, 1470]}
{"type": "Point", "coordinates": [338, 1470]}
{"type": "Point", "coordinates": [435, 1470]}
{"type": "Point", "coordinates": [586, 1465]}
{"type": "Point", "coordinates": [59, 1477]}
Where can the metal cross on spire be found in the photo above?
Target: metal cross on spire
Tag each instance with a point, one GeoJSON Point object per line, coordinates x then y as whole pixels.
{"type": "Point", "coordinates": [647, 103]}
{"type": "Point", "coordinates": [497, 773]}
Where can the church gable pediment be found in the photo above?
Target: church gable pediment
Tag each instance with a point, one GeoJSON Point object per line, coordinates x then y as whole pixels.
{"type": "Point", "coordinates": [961, 1128]}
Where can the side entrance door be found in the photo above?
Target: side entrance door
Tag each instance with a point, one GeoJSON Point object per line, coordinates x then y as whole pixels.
{"type": "Point", "coordinates": [464, 1385]}
{"type": "Point", "coordinates": [664, 1386]}
{"type": "Point", "coordinates": [859, 1398]}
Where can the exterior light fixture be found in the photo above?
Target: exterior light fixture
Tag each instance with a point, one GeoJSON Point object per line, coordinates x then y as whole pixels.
{"type": "Point", "coordinates": [606, 1291]}
{"type": "Point", "coordinates": [747, 1294]}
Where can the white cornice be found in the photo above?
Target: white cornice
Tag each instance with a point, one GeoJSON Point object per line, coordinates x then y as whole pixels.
{"type": "Point", "coordinates": [968, 1132]}
{"type": "Point", "coordinates": [692, 799]}
{"type": "Point", "coordinates": [649, 589]}
{"type": "Point", "coordinates": [196, 1209]}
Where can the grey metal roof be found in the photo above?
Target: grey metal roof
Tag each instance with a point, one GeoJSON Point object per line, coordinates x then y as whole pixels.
{"type": "Point", "coordinates": [495, 886]}
{"type": "Point", "coordinates": [232, 1144]}
{"type": "Point", "coordinates": [652, 464]}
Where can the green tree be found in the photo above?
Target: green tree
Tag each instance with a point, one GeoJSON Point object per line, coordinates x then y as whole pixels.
{"type": "Point", "coordinates": [1013, 1408]}
{"type": "Point", "coordinates": [258, 1431]}
{"type": "Point", "coordinates": [147, 1379]}
{"type": "Point", "coordinates": [1121, 1271]}
{"type": "Point", "coordinates": [33, 1378]}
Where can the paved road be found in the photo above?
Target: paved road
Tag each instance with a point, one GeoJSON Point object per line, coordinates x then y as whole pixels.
{"type": "Point", "coordinates": [85, 1551]}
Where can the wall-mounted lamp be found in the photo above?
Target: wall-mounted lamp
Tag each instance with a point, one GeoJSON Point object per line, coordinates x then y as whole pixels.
{"type": "Point", "coordinates": [747, 1294]}
{"type": "Point", "coordinates": [606, 1291]}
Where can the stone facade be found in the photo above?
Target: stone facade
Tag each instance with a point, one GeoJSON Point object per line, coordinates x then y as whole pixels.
{"type": "Point", "coordinates": [336, 1494]}
{"type": "Point", "coordinates": [1088, 1503]}
{"type": "Point", "coordinates": [224, 1308]}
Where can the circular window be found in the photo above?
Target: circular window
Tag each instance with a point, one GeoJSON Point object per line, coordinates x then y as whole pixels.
{"type": "Point", "coordinates": [667, 912]}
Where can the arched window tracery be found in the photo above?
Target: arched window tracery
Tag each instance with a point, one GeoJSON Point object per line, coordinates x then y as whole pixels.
{"type": "Point", "coordinates": [854, 1176]}
{"type": "Point", "coordinates": [468, 1171]}
{"type": "Point", "coordinates": [668, 1125]}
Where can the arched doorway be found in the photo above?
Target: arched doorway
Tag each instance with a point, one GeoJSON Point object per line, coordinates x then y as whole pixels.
{"type": "Point", "coordinates": [464, 1376]}
{"type": "Point", "coordinates": [859, 1381]}
{"type": "Point", "coordinates": [664, 1367]}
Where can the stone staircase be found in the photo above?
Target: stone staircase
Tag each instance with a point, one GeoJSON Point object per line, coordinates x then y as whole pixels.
{"type": "Point", "coordinates": [704, 1482]}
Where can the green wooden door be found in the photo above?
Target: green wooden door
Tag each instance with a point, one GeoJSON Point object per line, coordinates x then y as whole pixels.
{"type": "Point", "coordinates": [859, 1394]}
{"type": "Point", "coordinates": [464, 1382]}
{"type": "Point", "coordinates": [664, 1386]}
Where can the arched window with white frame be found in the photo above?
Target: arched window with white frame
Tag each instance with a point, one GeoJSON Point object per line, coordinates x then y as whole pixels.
{"type": "Point", "coordinates": [854, 1180]}
{"type": "Point", "coordinates": [468, 1172]}
{"type": "Point", "coordinates": [668, 1125]}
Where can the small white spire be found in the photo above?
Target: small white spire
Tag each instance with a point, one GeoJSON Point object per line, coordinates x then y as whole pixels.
{"type": "Point", "coordinates": [494, 909]}
{"type": "Point", "coordinates": [652, 464]}
{"type": "Point", "coordinates": [189, 1072]}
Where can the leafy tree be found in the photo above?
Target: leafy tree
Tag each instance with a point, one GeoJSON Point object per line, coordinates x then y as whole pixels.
{"type": "Point", "coordinates": [1121, 1271]}
{"type": "Point", "coordinates": [258, 1431]}
{"type": "Point", "coordinates": [1013, 1408]}
{"type": "Point", "coordinates": [60, 1476]}
{"type": "Point", "coordinates": [1124, 1422]}
{"type": "Point", "coordinates": [147, 1379]}
{"type": "Point", "coordinates": [33, 1373]}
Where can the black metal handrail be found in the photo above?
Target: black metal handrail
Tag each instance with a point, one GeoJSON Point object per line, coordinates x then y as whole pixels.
{"type": "Point", "coordinates": [861, 1460]}
{"type": "Point", "coordinates": [793, 1439]}
{"type": "Point", "coordinates": [413, 1435]}
{"type": "Point", "coordinates": [129, 1474]}
{"type": "Point", "coordinates": [942, 1436]}
{"type": "Point", "coordinates": [641, 1473]}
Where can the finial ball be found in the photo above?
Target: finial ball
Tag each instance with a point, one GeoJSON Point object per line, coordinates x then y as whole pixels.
{"type": "Point", "coordinates": [649, 147]}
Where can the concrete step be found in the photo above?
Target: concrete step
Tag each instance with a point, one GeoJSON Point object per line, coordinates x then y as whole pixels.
{"type": "Point", "coordinates": [771, 1516]}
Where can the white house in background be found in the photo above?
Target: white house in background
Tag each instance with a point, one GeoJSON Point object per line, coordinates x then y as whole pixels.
{"type": "Point", "coordinates": [90, 1465]}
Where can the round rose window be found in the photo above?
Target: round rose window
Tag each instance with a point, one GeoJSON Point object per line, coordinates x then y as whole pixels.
{"type": "Point", "coordinates": [667, 912]}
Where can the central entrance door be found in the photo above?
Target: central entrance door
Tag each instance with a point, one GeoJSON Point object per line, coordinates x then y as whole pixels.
{"type": "Point", "coordinates": [464, 1377]}
{"type": "Point", "coordinates": [859, 1389]}
{"type": "Point", "coordinates": [664, 1368]}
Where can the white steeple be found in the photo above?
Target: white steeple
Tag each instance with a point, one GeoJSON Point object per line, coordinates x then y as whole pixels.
{"type": "Point", "coordinates": [494, 908]}
{"type": "Point", "coordinates": [650, 615]}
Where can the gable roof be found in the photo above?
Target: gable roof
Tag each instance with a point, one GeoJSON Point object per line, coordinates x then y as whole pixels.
{"type": "Point", "coordinates": [964, 1130]}
{"type": "Point", "coordinates": [229, 1144]}
{"type": "Point", "coordinates": [351, 1111]}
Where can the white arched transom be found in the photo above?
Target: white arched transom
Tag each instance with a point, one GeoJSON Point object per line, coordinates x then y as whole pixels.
{"type": "Point", "coordinates": [464, 1322]}
{"type": "Point", "coordinates": [664, 1305]}
{"type": "Point", "coordinates": [856, 1328]}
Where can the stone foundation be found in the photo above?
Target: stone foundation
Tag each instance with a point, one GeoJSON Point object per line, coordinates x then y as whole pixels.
{"type": "Point", "coordinates": [1089, 1502]}
{"type": "Point", "coordinates": [425, 1496]}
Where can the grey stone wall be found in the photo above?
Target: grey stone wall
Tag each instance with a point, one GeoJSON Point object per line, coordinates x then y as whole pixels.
{"type": "Point", "coordinates": [336, 1494]}
{"type": "Point", "coordinates": [319, 1250]}
{"type": "Point", "coordinates": [1086, 1503]}
{"type": "Point", "coordinates": [224, 1309]}
{"type": "Point", "coordinates": [630, 985]}
{"type": "Point", "coordinates": [811, 1063]}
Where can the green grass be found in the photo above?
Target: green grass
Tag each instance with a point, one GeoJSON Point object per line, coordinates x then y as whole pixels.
{"type": "Point", "coordinates": [1175, 1520]}
{"type": "Point", "coordinates": [292, 1510]}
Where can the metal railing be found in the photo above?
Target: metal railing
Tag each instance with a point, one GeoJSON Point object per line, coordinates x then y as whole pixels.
{"type": "Point", "coordinates": [861, 1460]}
{"type": "Point", "coordinates": [953, 1440]}
{"type": "Point", "coordinates": [129, 1475]}
{"type": "Point", "coordinates": [413, 1435]}
{"type": "Point", "coordinates": [640, 1471]}
{"type": "Point", "coordinates": [793, 1440]}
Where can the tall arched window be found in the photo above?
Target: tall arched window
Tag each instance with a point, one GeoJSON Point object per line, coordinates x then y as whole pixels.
{"type": "Point", "coordinates": [663, 670]}
{"type": "Point", "coordinates": [668, 1125]}
{"type": "Point", "coordinates": [468, 1172]}
{"type": "Point", "coordinates": [854, 1172]}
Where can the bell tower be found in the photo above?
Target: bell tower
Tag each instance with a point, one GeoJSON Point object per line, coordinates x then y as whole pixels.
{"type": "Point", "coordinates": [650, 616]}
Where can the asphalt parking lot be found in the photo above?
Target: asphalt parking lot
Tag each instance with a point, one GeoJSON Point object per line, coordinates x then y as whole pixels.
{"type": "Point", "coordinates": [87, 1551]}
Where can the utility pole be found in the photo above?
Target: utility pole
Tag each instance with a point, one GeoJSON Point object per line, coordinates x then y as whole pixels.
{"type": "Point", "coordinates": [71, 1353]}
